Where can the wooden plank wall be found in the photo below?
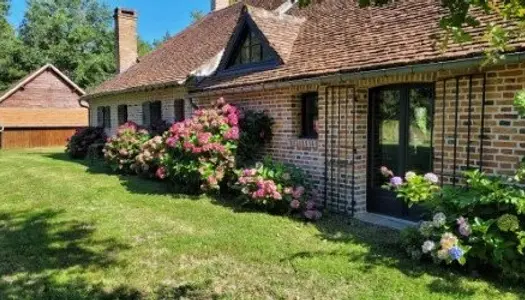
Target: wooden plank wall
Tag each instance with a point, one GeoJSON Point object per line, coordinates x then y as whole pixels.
{"type": "Point", "coordinates": [13, 138]}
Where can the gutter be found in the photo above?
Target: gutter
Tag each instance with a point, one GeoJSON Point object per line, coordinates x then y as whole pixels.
{"type": "Point", "coordinates": [358, 74]}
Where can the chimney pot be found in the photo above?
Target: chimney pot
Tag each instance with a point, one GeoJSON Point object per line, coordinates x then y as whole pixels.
{"type": "Point", "coordinates": [126, 38]}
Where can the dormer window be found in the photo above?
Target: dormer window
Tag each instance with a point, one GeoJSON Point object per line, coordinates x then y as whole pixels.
{"type": "Point", "coordinates": [250, 50]}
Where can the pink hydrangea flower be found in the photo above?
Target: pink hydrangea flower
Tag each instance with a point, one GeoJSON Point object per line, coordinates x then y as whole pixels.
{"type": "Point", "coordinates": [161, 173]}
{"type": "Point", "coordinates": [295, 204]}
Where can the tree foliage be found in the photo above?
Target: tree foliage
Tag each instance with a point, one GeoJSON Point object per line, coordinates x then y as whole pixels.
{"type": "Point", "coordinates": [74, 35]}
{"type": "Point", "coordinates": [9, 49]}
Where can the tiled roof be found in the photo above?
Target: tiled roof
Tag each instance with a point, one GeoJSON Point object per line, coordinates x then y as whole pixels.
{"type": "Point", "coordinates": [335, 36]}
{"type": "Point", "coordinates": [338, 36]}
{"type": "Point", "coordinates": [265, 4]}
{"type": "Point", "coordinates": [280, 30]}
{"type": "Point", "coordinates": [180, 55]}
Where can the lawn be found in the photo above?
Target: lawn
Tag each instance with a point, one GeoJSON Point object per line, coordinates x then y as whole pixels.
{"type": "Point", "coordinates": [68, 231]}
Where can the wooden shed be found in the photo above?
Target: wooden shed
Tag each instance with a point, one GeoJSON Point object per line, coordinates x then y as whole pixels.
{"type": "Point", "coordinates": [41, 110]}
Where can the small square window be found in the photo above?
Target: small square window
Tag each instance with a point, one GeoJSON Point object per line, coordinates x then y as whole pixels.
{"type": "Point", "coordinates": [309, 115]}
{"type": "Point", "coordinates": [122, 114]}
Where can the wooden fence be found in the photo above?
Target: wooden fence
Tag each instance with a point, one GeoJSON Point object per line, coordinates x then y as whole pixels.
{"type": "Point", "coordinates": [13, 138]}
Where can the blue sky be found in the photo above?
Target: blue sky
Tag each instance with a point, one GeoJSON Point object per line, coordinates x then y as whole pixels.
{"type": "Point", "coordinates": [155, 16]}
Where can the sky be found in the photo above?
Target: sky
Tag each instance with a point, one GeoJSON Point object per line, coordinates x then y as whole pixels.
{"type": "Point", "coordinates": [156, 17]}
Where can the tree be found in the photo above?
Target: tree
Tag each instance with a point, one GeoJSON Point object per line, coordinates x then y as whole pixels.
{"type": "Point", "coordinates": [74, 35]}
{"type": "Point", "coordinates": [196, 15]}
{"type": "Point", "coordinates": [9, 45]}
{"type": "Point", "coordinates": [144, 47]}
{"type": "Point", "coordinates": [159, 42]}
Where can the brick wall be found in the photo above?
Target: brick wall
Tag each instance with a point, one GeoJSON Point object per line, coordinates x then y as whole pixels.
{"type": "Point", "coordinates": [134, 102]}
{"type": "Point", "coordinates": [47, 90]}
{"type": "Point", "coordinates": [503, 137]}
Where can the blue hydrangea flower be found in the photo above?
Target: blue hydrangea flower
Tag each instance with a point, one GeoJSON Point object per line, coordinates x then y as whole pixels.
{"type": "Point", "coordinates": [455, 253]}
{"type": "Point", "coordinates": [396, 181]}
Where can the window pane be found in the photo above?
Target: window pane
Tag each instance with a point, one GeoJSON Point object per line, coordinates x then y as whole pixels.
{"type": "Point", "coordinates": [122, 114]}
{"type": "Point", "coordinates": [245, 55]}
{"type": "Point", "coordinates": [388, 121]}
{"type": "Point", "coordinates": [309, 115]}
{"type": "Point", "coordinates": [420, 130]}
{"type": "Point", "coordinates": [256, 53]}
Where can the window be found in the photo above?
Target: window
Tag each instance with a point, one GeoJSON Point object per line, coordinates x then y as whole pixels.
{"type": "Point", "coordinates": [178, 107]}
{"type": "Point", "coordinates": [122, 114]}
{"type": "Point", "coordinates": [104, 116]}
{"type": "Point", "coordinates": [151, 113]}
{"type": "Point", "coordinates": [309, 115]}
{"type": "Point", "coordinates": [249, 51]}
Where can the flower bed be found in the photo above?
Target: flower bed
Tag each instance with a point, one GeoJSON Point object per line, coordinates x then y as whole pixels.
{"type": "Point", "coordinates": [121, 150]}
{"type": "Point", "coordinates": [148, 160]}
{"type": "Point", "coordinates": [200, 152]}
{"type": "Point", "coordinates": [482, 226]}
{"type": "Point", "coordinates": [278, 188]}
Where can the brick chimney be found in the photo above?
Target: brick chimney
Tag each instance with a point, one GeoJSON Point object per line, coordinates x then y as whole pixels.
{"type": "Point", "coordinates": [126, 38]}
{"type": "Point", "coordinates": [220, 4]}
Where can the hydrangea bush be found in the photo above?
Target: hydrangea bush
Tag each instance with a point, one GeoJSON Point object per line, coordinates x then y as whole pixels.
{"type": "Point", "coordinates": [148, 160]}
{"type": "Point", "coordinates": [200, 152]}
{"type": "Point", "coordinates": [256, 132]}
{"type": "Point", "coordinates": [277, 187]}
{"type": "Point", "coordinates": [78, 144]}
{"type": "Point", "coordinates": [482, 225]}
{"type": "Point", "coordinates": [121, 150]}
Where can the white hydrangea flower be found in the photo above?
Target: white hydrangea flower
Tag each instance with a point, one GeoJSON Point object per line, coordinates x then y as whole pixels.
{"type": "Point", "coordinates": [428, 246]}
{"type": "Point", "coordinates": [439, 220]}
{"type": "Point", "coordinates": [409, 175]}
{"type": "Point", "coordinates": [426, 228]}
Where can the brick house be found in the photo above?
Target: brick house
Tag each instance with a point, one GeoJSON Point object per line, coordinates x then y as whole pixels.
{"type": "Point", "coordinates": [41, 110]}
{"type": "Point", "coordinates": [351, 89]}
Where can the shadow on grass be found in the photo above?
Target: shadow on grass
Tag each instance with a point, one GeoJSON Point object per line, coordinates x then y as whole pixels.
{"type": "Point", "coordinates": [382, 243]}
{"type": "Point", "coordinates": [134, 184]}
{"type": "Point", "coordinates": [35, 245]}
{"type": "Point", "coordinates": [43, 257]}
{"type": "Point", "coordinates": [384, 251]}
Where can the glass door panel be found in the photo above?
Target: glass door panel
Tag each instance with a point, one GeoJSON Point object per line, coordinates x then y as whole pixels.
{"type": "Point", "coordinates": [400, 138]}
{"type": "Point", "coordinates": [419, 152]}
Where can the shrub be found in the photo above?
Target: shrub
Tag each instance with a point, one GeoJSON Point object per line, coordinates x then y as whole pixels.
{"type": "Point", "coordinates": [256, 132]}
{"type": "Point", "coordinates": [78, 145]}
{"type": "Point", "coordinates": [158, 128]}
{"type": "Point", "coordinates": [120, 150]}
{"type": "Point", "coordinates": [200, 151]}
{"type": "Point", "coordinates": [483, 225]}
{"type": "Point", "coordinates": [277, 187]}
{"type": "Point", "coordinates": [148, 160]}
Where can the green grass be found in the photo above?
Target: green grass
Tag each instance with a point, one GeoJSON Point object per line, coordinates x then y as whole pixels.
{"type": "Point", "coordinates": [68, 231]}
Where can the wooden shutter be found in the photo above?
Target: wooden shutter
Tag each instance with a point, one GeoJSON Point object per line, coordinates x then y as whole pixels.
{"type": "Point", "coordinates": [178, 107]}
{"type": "Point", "coordinates": [100, 116]}
{"type": "Point", "coordinates": [146, 117]}
{"type": "Point", "coordinates": [122, 114]}
{"type": "Point", "coordinates": [107, 117]}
